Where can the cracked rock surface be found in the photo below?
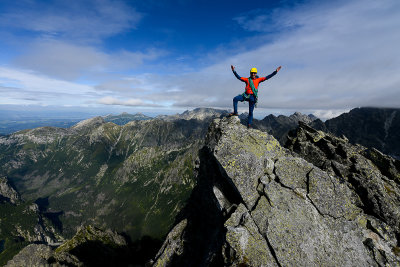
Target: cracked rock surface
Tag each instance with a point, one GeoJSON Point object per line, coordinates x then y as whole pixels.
{"type": "Point", "coordinates": [259, 204]}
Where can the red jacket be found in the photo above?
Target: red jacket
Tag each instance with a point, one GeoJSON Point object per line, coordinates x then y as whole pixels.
{"type": "Point", "coordinates": [256, 81]}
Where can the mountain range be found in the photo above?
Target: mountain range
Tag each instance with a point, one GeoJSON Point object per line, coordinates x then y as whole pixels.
{"type": "Point", "coordinates": [124, 118]}
{"type": "Point", "coordinates": [132, 178]}
{"type": "Point", "coordinates": [139, 176]}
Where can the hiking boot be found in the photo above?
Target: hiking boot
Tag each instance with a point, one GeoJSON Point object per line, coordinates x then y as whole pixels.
{"type": "Point", "coordinates": [248, 126]}
{"type": "Point", "coordinates": [232, 114]}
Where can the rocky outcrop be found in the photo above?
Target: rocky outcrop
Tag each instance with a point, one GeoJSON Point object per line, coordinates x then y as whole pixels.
{"type": "Point", "coordinates": [373, 176]}
{"type": "Point", "coordinates": [32, 255]}
{"type": "Point", "coordinates": [7, 193]}
{"type": "Point", "coordinates": [259, 204]}
{"type": "Point", "coordinates": [280, 126]}
{"type": "Point", "coordinates": [23, 223]}
{"type": "Point", "coordinates": [89, 247]}
{"type": "Point", "coordinates": [370, 127]}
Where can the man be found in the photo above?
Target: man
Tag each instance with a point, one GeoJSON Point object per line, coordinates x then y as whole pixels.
{"type": "Point", "coordinates": [251, 91]}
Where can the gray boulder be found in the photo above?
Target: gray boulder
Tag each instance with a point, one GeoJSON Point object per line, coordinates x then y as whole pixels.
{"type": "Point", "coordinates": [32, 255]}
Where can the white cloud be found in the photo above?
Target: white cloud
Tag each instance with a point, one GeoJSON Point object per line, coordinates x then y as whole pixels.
{"type": "Point", "coordinates": [26, 79]}
{"type": "Point", "coordinates": [328, 114]}
{"type": "Point", "coordinates": [62, 39]}
{"type": "Point", "coordinates": [60, 59]}
{"type": "Point", "coordinates": [335, 56]}
{"type": "Point", "coordinates": [108, 100]}
{"type": "Point", "coordinates": [72, 61]}
{"type": "Point", "coordinates": [84, 19]}
{"type": "Point", "coordinates": [19, 86]}
{"type": "Point", "coordinates": [24, 86]}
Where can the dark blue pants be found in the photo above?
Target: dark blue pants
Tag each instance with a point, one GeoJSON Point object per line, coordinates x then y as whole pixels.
{"type": "Point", "coordinates": [252, 103]}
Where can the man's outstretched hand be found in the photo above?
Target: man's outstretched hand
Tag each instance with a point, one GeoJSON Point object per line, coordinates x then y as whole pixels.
{"type": "Point", "coordinates": [232, 67]}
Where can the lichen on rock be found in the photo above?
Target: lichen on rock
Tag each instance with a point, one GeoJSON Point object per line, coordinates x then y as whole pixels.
{"type": "Point", "coordinates": [272, 206]}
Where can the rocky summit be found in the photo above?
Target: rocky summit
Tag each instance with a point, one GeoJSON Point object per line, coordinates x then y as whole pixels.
{"type": "Point", "coordinates": [319, 202]}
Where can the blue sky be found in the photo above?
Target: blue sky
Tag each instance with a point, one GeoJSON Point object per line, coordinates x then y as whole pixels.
{"type": "Point", "coordinates": [167, 56]}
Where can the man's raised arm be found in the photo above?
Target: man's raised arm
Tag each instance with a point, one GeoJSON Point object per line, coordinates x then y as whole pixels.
{"type": "Point", "coordinates": [234, 72]}
{"type": "Point", "coordinates": [274, 73]}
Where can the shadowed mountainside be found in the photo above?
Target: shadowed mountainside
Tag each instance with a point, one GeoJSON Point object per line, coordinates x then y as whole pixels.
{"type": "Point", "coordinates": [370, 127]}
{"type": "Point", "coordinates": [133, 178]}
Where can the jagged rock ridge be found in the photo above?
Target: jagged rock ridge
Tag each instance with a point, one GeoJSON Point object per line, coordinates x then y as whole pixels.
{"type": "Point", "coordinates": [370, 127]}
{"type": "Point", "coordinates": [373, 176]}
{"type": "Point", "coordinates": [279, 126]}
{"type": "Point", "coordinates": [259, 204]}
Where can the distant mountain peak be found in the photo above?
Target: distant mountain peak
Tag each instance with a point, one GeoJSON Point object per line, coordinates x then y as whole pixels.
{"type": "Point", "coordinates": [125, 118]}
{"type": "Point", "coordinates": [197, 113]}
{"type": "Point", "coordinates": [298, 116]}
{"type": "Point", "coordinates": [92, 122]}
{"type": "Point", "coordinates": [312, 116]}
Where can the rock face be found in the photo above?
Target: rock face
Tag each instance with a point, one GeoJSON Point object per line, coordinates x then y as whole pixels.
{"type": "Point", "coordinates": [22, 223]}
{"type": "Point", "coordinates": [32, 255]}
{"type": "Point", "coordinates": [370, 127]}
{"type": "Point", "coordinates": [280, 126]}
{"type": "Point", "coordinates": [7, 193]}
{"type": "Point", "coordinates": [374, 177]}
{"type": "Point", "coordinates": [259, 204]}
{"type": "Point", "coordinates": [89, 247]}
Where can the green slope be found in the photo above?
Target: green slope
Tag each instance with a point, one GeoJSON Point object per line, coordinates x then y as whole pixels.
{"type": "Point", "coordinates": [132, 178]}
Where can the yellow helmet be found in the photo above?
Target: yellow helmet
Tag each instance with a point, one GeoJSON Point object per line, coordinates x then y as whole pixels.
{"type": "Point", "coordinates": [253, 70]}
